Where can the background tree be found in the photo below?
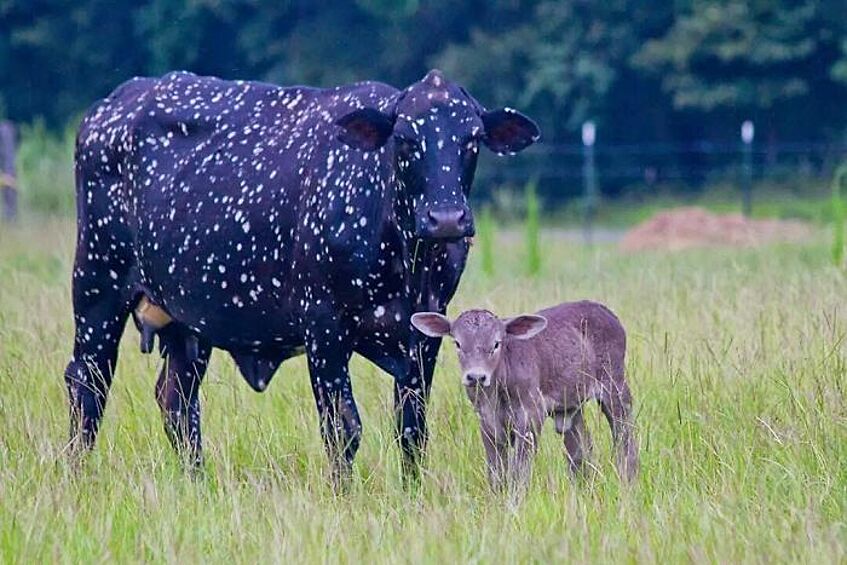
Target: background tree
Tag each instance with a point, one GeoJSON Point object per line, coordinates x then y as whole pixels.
{"type": "Point", "coordinates": [764, 60]}
{"type": "Point", "coordinates": [650, 74]}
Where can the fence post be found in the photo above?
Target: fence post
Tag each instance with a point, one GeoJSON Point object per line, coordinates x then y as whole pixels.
{"type": "Point", "coordinates": [589, 175]}
{"type": "Point", "coordinates": [748, 132]}
{"type": "Point", "coordinates": [8, 178]}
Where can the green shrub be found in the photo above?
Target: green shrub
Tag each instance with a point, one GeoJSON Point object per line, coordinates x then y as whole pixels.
{"type": "Point", "coordinates": [508, 204]}
{"type": "Point", "coordinates": [485, 237]}
{"type": "Point", "coordinates": [838, 182]}
{"type": "Point", "coordinates": [533, 250]}
{"type": "Point", "coordinates": [46, 170]}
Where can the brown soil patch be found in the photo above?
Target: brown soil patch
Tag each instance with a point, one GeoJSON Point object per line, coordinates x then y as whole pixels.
{"type": "Point", "coordinates": [684, 228]}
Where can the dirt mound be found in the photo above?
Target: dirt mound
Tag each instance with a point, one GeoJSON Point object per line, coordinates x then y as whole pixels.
{"type": "Point", "coordinates": [683, 228]}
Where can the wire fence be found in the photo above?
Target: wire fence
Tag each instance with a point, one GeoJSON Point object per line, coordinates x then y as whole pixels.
{"type": "Point", "coordinates": [561, 168]}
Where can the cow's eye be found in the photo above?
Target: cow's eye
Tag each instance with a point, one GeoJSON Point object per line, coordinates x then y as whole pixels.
{"type": "Point", "coordinates": [459, 347]}
{"type": "Point", "coordinates": [496, 346]}
{"type": "Point", "coordinates": [406, 144]}
{"type": "Point", "coordinates": [469, 142]}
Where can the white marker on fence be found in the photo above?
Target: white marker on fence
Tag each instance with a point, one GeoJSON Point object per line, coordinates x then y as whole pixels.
{"type": "Point", "coordinates": [748, 133]}
{"type": "Point", "coordinates": [589, 175]}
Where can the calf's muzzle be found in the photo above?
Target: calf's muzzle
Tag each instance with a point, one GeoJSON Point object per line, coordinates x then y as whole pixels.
{"type": "Point", "coordinates": [477, 379]}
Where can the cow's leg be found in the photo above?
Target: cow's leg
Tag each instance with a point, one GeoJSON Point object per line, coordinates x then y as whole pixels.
{"type": "Point", "coordinates": [411, 393]}
{"type": "Point", "coordinates": [101, 309]}
{"type": "Point", "coordinates": [616, 404]}
{"type": "Point", "coordinates": [577, 440]}
{"type": "Point", "coordinates": [178, 392]}
{"type": "Point", "coordinates": [329, 347]}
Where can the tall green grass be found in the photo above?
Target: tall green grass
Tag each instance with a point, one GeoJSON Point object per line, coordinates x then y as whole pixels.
{"type": "Point", "coordinates": [485, 237]}
{"type": "Point", "coordinates": [736, 360]}
{"type": "Point", "coordinates": [45, 170]}
{"type": "Point", "coordinates": [798, 199]}
{"type": "Point", "coordinates": [839, 181]}
{"type": "Point", "coordinates": [532, 227]}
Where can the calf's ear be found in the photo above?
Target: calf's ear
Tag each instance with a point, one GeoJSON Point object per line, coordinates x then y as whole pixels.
{"type": "Point", "coordinates": [525, 326]}
{"type": "Point", "coordinates": [508, 131]}
{"type": "Point", "coordinates": [366, 128]}
{"type": "Point", "coordinates": [432, 324]}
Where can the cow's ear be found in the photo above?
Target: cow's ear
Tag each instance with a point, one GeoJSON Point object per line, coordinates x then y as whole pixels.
{"type": "Point", "coordinates": [366, 128]}
{"type": "Point", "coordinates": [525, 326]}
{"type": "Point", "coordinates": [432, 324]}
{"type": "Point", "coordinates": [508, 131]}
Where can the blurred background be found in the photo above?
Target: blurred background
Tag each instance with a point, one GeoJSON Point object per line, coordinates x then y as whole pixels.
{"type": "Point", "coordinates": [641, 103]}
{"type": "Point", "coordinates": [662, 122]}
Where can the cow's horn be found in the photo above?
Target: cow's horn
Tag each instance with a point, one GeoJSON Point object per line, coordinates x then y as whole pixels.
{"type": "Point", "coordinates": [435, 78]}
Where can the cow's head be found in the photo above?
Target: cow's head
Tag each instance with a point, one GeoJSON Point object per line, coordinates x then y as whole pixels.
{"type": "Point", "coordinates": [434, 129]}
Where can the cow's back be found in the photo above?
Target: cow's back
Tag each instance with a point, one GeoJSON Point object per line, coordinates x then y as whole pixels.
{"type": "Point", "coordinates": [211, 184]}
{"type": "Point", "coordinates": [150, 129]}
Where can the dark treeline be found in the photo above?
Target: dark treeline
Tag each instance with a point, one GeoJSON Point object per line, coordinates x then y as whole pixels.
{"type": "Point", "coordinates": [645, 71]}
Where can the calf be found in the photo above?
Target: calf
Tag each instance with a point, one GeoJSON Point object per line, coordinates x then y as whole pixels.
{"type": "Point", "coordinates": [520, 370]}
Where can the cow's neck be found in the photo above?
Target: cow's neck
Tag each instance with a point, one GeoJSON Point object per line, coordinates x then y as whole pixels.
{"type": "Point", "coordinates": [422, 256]}
{"type": "Point", "coordinates": [418, 257]}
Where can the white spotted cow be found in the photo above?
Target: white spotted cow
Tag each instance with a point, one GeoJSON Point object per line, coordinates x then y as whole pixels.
{"type": "Point", "coordinates": [269, 221]}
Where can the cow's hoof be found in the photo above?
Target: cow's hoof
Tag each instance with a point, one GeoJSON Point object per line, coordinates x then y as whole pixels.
{"type": "Point", "coordinates": [147, 336]}
{"type": "Point", "coordinates": [192, 348]}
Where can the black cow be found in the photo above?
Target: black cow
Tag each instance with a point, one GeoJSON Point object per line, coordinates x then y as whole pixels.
{"type": "Point", "coordinates": [270, 221]}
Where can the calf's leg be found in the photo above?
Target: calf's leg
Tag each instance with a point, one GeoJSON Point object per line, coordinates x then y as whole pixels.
{"type": "Point", "coordinates": [496, 444]}
{"type": "Point", "coordinates": [524, 442]}
{"type": "Point", "coordinates": [616, 404]}
{"type": "Point", "coordinates": [178, 393]}
{"type": "Point", "coordinates": [577, 440]}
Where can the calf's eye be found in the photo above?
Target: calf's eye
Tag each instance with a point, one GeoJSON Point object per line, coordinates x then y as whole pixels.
{"type": "Point", "coordinates": [496, 346]}
{"type": "Point", "coordinates": [459, 347]}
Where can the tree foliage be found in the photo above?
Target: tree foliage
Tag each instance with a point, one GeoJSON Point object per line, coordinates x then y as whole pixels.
{"type": "Point", "coordinates": [642, 70]}
{"type": "Point", "coordinates": [741, 54]}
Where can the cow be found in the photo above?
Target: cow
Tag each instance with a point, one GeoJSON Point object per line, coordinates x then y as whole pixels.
{"type": "Point", "coordinates": [271, 221]}
{"type": "Point", "coordinates": [519, 371]}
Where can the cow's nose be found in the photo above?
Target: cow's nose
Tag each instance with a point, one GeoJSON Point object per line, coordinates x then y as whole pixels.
{"type": "Point", "coordinates": [449, 222]}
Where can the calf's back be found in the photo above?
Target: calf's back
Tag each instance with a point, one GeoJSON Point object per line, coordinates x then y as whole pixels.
{"type": "Point", "coordinates": [582, 349]}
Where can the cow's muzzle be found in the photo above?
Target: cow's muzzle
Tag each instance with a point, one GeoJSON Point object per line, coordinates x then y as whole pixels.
{"type": "Point", "coordinates": [447, 222]}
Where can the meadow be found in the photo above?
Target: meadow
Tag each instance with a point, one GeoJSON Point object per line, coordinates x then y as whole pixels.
{"type": "Point", "coordinates": [736, 360]}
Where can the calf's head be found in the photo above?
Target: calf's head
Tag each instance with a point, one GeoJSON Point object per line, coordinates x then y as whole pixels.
{"type": "Point", "coordinates": [479, 336]}
{"type": "Point", "coordinates": [433, 130]}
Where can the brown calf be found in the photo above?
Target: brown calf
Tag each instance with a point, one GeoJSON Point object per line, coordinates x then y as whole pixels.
{"type": "Point", "coordinates": [518, 371]}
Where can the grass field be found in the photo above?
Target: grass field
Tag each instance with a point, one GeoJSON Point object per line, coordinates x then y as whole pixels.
{"type": "Point", "coordinates": [736, 360]}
